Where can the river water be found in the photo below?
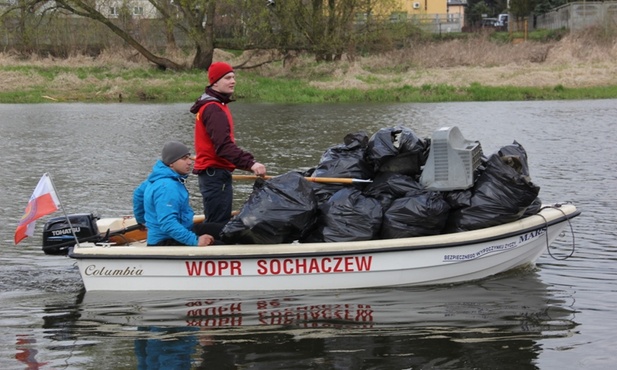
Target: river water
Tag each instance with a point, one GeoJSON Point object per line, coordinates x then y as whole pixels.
{"type": "Point", "coordinates": [558, 315]}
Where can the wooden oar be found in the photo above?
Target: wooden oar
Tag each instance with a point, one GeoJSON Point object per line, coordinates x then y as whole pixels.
{"type": "Point", "coordinates": [323, 180]}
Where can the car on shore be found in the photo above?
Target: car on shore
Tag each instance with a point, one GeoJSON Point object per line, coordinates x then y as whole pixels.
{"type": "Point", "coordinates": [489, 23]}
{"type": "Point", "coordinates": [502, 20]}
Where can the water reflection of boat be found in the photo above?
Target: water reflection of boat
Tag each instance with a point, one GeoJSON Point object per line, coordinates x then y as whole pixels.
{"type": "Point", "coordinates": [518, 302]}
{"type": "Point", "coordinates": [486, 324]}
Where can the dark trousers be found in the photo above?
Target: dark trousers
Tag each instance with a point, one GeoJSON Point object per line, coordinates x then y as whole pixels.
{"type": "Point", "coordinates": [211, 228]}
{"type": "Point", "coordinates": [217, 193]}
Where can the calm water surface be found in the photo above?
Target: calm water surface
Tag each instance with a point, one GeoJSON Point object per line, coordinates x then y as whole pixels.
{"type": "Point", "coordinates": [559, 315]}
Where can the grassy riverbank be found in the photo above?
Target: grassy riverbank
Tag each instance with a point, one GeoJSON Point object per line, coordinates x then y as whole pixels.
{"type": "Point", "coordinates": [581, 66]}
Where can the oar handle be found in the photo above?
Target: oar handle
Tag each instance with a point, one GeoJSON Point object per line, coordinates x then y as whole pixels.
{"type": "Point", "coordinates": [249, 177]}
{"type": "Point", "coordinates": [323, 180]}
{"type": "Point", "coordinates": [332, 180]}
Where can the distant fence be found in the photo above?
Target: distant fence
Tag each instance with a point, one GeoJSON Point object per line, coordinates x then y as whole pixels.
{"type": "Point", "coordinates": [438, 23]}
{"type": "Point", "coordinates": [576, 16]}
{"type": "Point", "coordinates": [62, 36]}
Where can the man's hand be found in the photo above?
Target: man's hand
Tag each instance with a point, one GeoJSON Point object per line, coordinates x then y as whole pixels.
{"type": "Point", "coordinates": [258, 169]}
{"type": "Point", "coordinates": [205, 240]}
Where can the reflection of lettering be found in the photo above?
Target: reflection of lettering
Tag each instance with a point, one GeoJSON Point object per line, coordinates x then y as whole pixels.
{"type": "Point", "coordinates": [214, 316]}
{"type": "Point", "coordinates": [216, 322]}
{"type": "Point", "coordinates": [93, 270]}
{"type": "Point", "coordinates": [274, 312]}
{"type": "Point", "coordinates": [214, 268]}
{"type": "Point", "coordinates": [324, 265]}
{"type": "Point", "coordinates": [205, 302]}
{"type": "Point", "coordinates": [327, 315]}
{"type": "Point", "coordinates": [233, 308]}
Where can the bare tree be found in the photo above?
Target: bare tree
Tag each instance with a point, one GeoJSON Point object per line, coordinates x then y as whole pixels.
{"type": "Point", "coordinates": [197, 22]}
{"type": "Point", "coordinates": [22, 21]}
{"type": "Point", "coordinates": [521, 9]}
{"type": "Point", "coordinates": [322, 27]}
{"type": "Point", "coordinates": [195, 18]}
{"type": "Point", "coordinates": [326, 28]}
{"type": "Point", "coordinates": [84, 9]}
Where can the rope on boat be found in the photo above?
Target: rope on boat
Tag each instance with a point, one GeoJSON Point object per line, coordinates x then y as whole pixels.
{"type": "Point", "coordinates": [548, 247]}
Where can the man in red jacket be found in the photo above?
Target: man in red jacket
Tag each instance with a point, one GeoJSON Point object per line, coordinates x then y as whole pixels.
{"type": "Point", "coordinates": [215, 146]}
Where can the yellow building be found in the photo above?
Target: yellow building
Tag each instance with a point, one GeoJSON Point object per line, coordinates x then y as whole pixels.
{"type": "Point", "coordinates": [436, 16]}
{"type": "Point", "coordinates": [416, 7]}
{"type": "Point", "coordinates": [441, 11]}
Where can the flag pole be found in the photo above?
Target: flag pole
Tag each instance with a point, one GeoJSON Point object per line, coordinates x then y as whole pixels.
{"type": "Point", "coordinates": [68, 220]}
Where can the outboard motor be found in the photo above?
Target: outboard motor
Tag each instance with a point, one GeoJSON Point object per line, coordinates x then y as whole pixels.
{"type": "Point", "coordinates": [57, 235]}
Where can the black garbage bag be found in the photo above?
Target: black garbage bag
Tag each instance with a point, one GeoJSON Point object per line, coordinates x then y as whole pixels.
{"type": "Point", "coordinates": [415, 214]}
{"type": "Point", "coordinates": [323, 192]}
{"type": "Point", "coordinates": [345, 160]}
{"type": "Point", "coordinates": [533, 208]}
{"type": "Point", "coordinates": [387, 186]}
{"type": "Point", "coordinates": [458, 198]}
{"type": "Point", "coordinates": [502, 193]}
{"type": "Point", "coordinates": [397, 149]}
{"type": "Point", "coordinates": [515, 156]}
{"type": "Point", "coordinates": [279, 210]}
{"type": "Point", "coordinates": [347, 216]}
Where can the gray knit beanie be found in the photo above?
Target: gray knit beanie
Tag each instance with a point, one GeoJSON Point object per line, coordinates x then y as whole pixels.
{"type": "Point", "coordinates": [172, 151]}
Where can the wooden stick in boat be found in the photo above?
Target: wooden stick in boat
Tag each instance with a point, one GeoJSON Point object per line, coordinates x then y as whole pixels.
{"type": "Point", "coordinates": [323, 180]}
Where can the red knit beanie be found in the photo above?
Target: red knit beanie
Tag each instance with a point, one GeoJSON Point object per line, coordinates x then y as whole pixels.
{"type": "Point", "coordinates": [217, 71]}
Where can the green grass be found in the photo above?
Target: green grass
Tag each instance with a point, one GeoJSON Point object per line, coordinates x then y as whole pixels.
{"type": "Point", "coordinates": [152, 85]}
{"type": "Point", "coordinates": [536, 35]}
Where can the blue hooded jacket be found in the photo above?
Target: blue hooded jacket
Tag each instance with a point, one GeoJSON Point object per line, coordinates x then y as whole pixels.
{"type": "Point", "coordinates": [161, 202]}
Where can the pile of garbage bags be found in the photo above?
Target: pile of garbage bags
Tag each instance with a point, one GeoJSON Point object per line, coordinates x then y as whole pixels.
{"type": "Point", "coordinates": [289, 208]}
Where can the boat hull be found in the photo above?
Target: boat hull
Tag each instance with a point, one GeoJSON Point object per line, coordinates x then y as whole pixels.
{"type": "Point", "coordinates": [441, 259]}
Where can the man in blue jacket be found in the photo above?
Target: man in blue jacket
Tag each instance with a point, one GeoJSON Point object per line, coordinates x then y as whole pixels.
{"type": "Point", "coordinates": [161, 202]}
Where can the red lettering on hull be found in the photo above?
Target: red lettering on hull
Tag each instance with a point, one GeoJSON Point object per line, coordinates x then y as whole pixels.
{"type": "Point", "coordinates": [214, 268]}
{"type": "Point", "coordinates": [285, 266]}
{"type": "Point", "coordinates": [325, 265]}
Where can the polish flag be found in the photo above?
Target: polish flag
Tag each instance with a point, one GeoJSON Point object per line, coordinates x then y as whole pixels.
{"type": "Point", "coordinates": [43, 201]}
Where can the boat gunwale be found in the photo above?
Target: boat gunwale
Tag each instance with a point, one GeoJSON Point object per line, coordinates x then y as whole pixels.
{"type": "Point", "coordinates": [99, 252]}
